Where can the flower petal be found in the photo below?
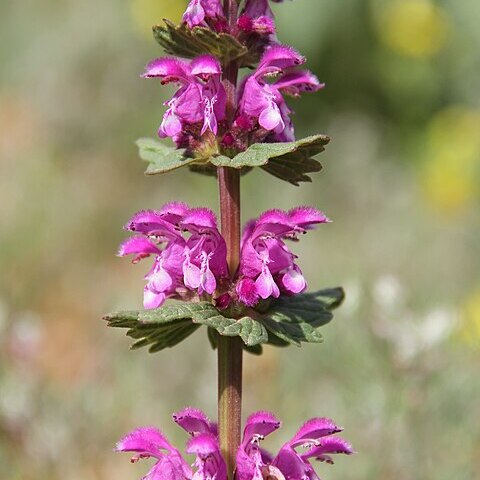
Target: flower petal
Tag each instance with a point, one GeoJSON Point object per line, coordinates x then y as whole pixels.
{"type": "Point", "coordinates": [314, 429]}
{"type": "Point", "coordinates": [138, 245]}
{"type": "Point", "coordinates": [270, 118]}
{"type": "Point", "coordinates": [260, 423]}
{"type": "Point", "coordinates": [293, 83]}
{"type": "Point", "coordinates": [193, 421]}
{"type": "Point", "coordinates": [152, 299]}
{"type": "Point", "coordinates": [168, 68]}
{"type": "Point", "coordinates": [293, 280]}
{"type": "Point", "coordinates": [194, 14]}
{"type": "Point", "coordinates": [200, 217]}
{"type": "Point", "coordinates": [147, 440]}
{"type": "Point", "coordinates": [266, 286]}
{"type": "Point", "coordinates": [279, 57]}
{"type": "Point", "coordinates": [329, 444]}
{"type": "Point", "coordinates": [191, 275]}
{"type": "Point", "coordinates": [205, 65]}
{"type": "Point", "coordinates": [304, 217]}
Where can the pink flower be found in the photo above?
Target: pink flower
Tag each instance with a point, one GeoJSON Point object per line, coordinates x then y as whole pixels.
{"type": "Point", "coordinates": [190, 254]}
{"type": "Point", "coordinates": [205, 13]}
{"type": "Point", "coordinates": [200, 100]}
{"type": "Point", "coordinates": [316, 439]}
{"type": "Point", "coordinates": [263, 102]}
{"type": "Point", "coordinates": [194, 264]}
{"type": "Point", "coordinates": [257, 17]}
{"type": "Point", "coordinates": [267, 267]}
{"type": "Point", "coordinates": [149, 442]}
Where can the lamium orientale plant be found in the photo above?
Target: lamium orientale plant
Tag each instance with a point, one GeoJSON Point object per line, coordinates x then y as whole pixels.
{"type": "Point", "coordinates": [245, 287]}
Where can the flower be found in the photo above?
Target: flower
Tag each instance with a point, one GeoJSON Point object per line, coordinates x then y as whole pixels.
{"type": "Point", "coordinates": [199, 102]}
{"type": "Point", "coordinates": [190, 254]}
{"type": "Point", "coordinates": [149, 442]}
{"type": "Point", "coordinates": [182, 265]}
{"type": "Point", "coordinates": [207, 13]}
{"type": "Point", "coordinates": [263, 102]}
{"type": "Point", "coordinates": [316, 438]}
{"type": "Point", "coordinates": [267, 267]}
{"type": "Point", "coordinates": [257, 17]}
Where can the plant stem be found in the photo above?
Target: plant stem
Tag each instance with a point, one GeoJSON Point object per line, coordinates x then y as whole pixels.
{"type": "Point", "coordinates": [230, 349]}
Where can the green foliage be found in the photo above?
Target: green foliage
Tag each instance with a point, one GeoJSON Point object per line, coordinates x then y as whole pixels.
{"type": "Point", "coordinates": [182, 41]}
{"type": "Point", "coordinates": [289, 161]}
{"type": "Point", "coordinates": [161, 158]}
{"type": "Point", "coordinates": [298, 319]}
{"type": "Point", "coordinates": [288, 320]}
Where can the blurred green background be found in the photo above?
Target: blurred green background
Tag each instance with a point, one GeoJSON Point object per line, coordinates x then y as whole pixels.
{"type": "Point", "coordinates": [399, 368]}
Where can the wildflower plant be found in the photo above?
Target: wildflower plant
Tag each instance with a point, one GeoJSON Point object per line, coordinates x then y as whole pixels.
{"type": "Point", "coordinates": [245, 286]}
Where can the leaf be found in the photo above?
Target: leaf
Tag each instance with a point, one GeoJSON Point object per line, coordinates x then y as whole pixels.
{"type": "Point", "coordinates": [161, 158]}
{"type": "Point", "coordinates": [251, 331]}
{"type": "Point", "coordinates": [168, 325]}
{"type": "Point", "coordinates": [213, 339]}
{"type": "Point", "coordinates": [289, 320]}
{"type": "Point", "coordinates": [298, 318]}
{"type": "Point", "coordinates": [293, 332]}
{"type": "Point", "coordinates": [182, 41]}
{"type": "Point", "coordinates": [289, 161]}
{"type": "Point", "coordinates": [161, 327]}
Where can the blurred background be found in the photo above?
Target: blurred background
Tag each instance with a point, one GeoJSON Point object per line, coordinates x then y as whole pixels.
{"type": "Point", "coordinates": [400, 366]}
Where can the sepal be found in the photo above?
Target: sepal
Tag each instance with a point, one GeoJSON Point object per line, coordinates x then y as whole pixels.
{"type": "Point", "coordinates": [182, 41]}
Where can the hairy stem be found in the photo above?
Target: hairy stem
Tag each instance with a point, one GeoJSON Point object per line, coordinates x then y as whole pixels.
{"type": "Point", "coordinates": [230, 349]}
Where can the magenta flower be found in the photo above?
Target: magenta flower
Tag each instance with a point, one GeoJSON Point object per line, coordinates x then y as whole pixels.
{"type": "Point", "coordinates": [316, 438]}
{"type": "Point", "coordinates": [182, 266]}
{"type": "Point", "coordinates": [267, 267]}
{"type": "Point", "coordinates": [263, 102]}
{"type": "Point", "coordinates": [200, 101]}
{"type": "Point", "coordinates": [257, 17]}
{"type": "Point", "coordinates": [205, 13]}
{"type": "Point", "coordinates": [190, 254]}
{"type": "Point", "coordinates": [150, 442]}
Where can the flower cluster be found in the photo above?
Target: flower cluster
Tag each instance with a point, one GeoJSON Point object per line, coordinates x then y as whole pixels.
{"type": "Point", "coordinates": [316, 439]}
{"type": "Point", "coordinates": [182, 264]}
{"type": "Point", "coordinates": [190, 254]}
{"type": "Point", "coordinates": [199, 103]}
{"type": "Point", "coordinates": [262, 106]}
{"type": "Point", "coordinates": [267, 266]}
{"type": "Point", "coordinates": [256, 16]}
{"type": "Point", "coordinates": [197, 110]}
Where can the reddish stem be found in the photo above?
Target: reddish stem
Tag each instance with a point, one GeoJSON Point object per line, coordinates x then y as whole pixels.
{"type": "Point", "coordinates": [230, 349]}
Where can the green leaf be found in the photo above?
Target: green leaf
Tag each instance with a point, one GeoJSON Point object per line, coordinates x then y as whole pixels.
{"type": "Point", "coordinates": [254, 350]}
{"type": "Point", "coordinates": [293, 332]}
{"type": "Point", "coordinates": [182, 41]}
{"type": "Point", "coordinates": [161, 158]}
{"type": "Point", "coordinates": [298, 318]}
{"type": "Point", "coordinates": [213, 339]}
{"type": "Point", "coordinates": [289, 161]}
{"type": "Point", "coordinates": [289, 320]}
{"type": "Point", "coordinates": [161, 327]}
{"type": "Point", "coordinates": [251, 331]}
